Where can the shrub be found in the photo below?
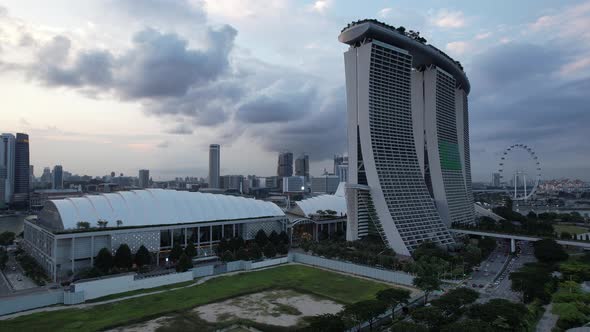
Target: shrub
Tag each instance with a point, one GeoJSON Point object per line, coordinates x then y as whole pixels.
{"type": "Point", "coordinates": [142, 257]}
{"type": "Point", "coordinates": [184, 263]}
{"type": "Point", "coordinates": [190, 250]}
{"type": "Point", "coordinates": [123, 258]}
{"type": "Point", "coordinates": [227, 256]}
{"type": "Point", "coordinates": [7, 238]}
{"type": "Point", "coordinates": [270, 251]}
{"type": "Point", "coordinates": [104, 260]}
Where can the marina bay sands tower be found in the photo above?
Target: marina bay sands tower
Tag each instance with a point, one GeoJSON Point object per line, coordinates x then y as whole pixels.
{"type": "Point", "coordinates": [408, 138]}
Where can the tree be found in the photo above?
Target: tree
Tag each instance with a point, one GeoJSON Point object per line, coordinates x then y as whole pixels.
{"type": "Point", "coordinates": [282, 249]}
{"type": "Point", "coordinates": [468, 325]}
{"type": "Point", "coordinates": [549, 251]}
{"type": "Point", "coordinates": [364, 311]}
{"type": "Point", "coordinates": [433, 317]}
{"type": "Point", "coordinates": [236, 243]}
{"type": "Point", "coordinates": [269, 250]}
{"type": "Point", "coordinates": [500, 313]}
{"type": "Point", "coordinates": [393, 297]}
{"type": "Point", "coordinates": [222, 246]}
{"type": "Point", "coordinates": [176, 252]}
{"type": "Point", "coordinates": [184, 263]}
{"type": "Point", "coordinates": [3, 258]}
{"type": "Point", "coordinates": [227, 256]}
{"type": "Point", "coordinates": [119, 222]}
{"type": "Point", "coordinates": [6, 238]}
{"type": "Point", "coordinates": [427, 283]}
{"type": "Point", "coordinates": [274, 238]}
{"type": "Point", "coordinates": [284, 238]}
{"type": "Point", "coordinates": [533, 281]}
{"type": "Point", "coordinates": [326, 323]}
{"type": "Point", "coordinates": [104, 260]}
{"type": "Point", "coordinates": [102, 223]}
{"type": "Point", "coordinates": [142, 256]}
{"type": "Point", "coordinates": [83, 225]}
{"type": "Point", "coordinates": [472, 255]}
{"type": "Point", "coordinates": [487, 245]}
{"type": "Point", "coordinates": [190, 250]}
{"type": "Point", "coordinates": [456, 299]}
{"type": "Point", "coordinates": [566, 236]}
{"type": "Point", "coordinates": [123, 258]}
{"type": "Point", "coordinates": [406, 326]}
{"type": "Point", "coordinates": [242, 254]}
{"type": "Point", "coordinates": [254, 252]}
{"type": "Point", "coordinates": [261, 239]}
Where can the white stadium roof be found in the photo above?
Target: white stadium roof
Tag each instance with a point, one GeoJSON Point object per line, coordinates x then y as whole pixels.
{"type": "Point", "coordinates": [154, 207]}
{"type": "Point", "coordinates": [336, 202]}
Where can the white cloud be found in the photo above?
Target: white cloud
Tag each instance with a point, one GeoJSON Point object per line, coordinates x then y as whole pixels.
{"type": "Point", "coordinates": [321, 6]}
{"type": "Point", "coordinates": [448, 19]}
{"type": "Point", "coordinates": [384, 13]}
{"type": "Point", "coordinates": [483, 35]}
{"type": "Point", "coordinates": [575, 67]}
{"type": "Point", "coordinates": [458, 47]}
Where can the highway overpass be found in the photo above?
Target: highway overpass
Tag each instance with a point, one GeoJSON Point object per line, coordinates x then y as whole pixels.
{"type": "Point", "coordinates": [518, 237]}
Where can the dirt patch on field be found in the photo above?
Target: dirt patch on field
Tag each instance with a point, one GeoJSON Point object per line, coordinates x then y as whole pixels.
{"type": "Point", "coordinates": [276, 307]}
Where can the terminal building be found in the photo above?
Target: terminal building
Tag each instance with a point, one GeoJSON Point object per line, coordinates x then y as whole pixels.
{"type": "Point", "coordinates": [155, 218]}
{"type": "Point", "coordinates": [408, 138]}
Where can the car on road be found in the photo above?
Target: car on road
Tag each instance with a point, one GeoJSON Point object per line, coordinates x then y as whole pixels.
{"type": "Point", "coordinates": [480, 285]}
{"type": "Point", "coordinates": [473, 285]}
{"type": "Point", "coordinates": [19, 278]}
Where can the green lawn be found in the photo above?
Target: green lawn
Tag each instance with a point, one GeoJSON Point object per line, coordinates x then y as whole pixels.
{"type": "Point", "coordinates": [338, 287]}
{"type": "Point", "coordinates": [569, 228]}
{"type": "Point", "coordinates": [141, 291]}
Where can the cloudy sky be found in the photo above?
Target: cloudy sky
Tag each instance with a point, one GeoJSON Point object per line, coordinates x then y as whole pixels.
{"type": "Point", "coordinates": [118, 85]}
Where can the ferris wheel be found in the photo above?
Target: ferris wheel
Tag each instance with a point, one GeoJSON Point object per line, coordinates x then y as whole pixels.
{"type": "Point", "coordinates": [520, 171]}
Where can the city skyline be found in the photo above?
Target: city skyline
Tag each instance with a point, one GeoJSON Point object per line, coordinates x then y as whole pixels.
{"type": "Point", "coordinates": [141, 123]}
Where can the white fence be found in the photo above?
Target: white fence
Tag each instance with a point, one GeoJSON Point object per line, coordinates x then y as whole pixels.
{"type": "Point", "coordinates": [92, 289]}
{"type": "Point", "coordinates": [102, 287]}
{"type": "Point", "coordinates": [360, 270]}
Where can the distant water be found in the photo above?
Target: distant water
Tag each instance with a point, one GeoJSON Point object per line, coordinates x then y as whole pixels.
{"type": "Point", "coordinates": [12, 224]}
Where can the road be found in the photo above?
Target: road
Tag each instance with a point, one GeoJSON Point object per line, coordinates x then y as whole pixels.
{"type": "Point", "coordinates": [501, 288]}
{"type": "Point", "coordinates": [15, 275]}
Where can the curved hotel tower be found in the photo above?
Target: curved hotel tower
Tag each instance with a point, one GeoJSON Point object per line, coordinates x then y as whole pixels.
{"type": "Point", "coordinates": [408, 138]}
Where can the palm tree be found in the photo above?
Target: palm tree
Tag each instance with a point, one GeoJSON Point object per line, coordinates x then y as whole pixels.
{"type": "Point", "coordinates": [119, 222]}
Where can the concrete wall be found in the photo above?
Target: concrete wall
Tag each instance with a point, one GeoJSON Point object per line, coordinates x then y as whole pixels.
{"type": "Point", "coordinates": [13, 304]}
{"type": "Point", "coordinates": [360, 270]}
{"type": "Point", "coordinates": [107, 286]}
{"type": "Point", "coordinates": [203, 271]}
{"type": "Point", "coordinates": [269, 262]}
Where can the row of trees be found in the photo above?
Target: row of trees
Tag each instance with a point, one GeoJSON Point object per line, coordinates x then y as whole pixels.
{"type": "Point", "coordinates": [269, 246]}
{"type": "Point", "coordinates": [83, 225]}
{"type": "Point", "coordinates": [355, 314]}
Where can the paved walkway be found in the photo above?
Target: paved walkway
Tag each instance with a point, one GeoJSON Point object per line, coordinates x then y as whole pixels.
{"type": "Point", "coordinates": [548, 321]}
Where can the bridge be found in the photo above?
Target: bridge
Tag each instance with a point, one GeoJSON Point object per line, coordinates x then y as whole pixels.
{"type": "Point", "coordinates": [518, 237]}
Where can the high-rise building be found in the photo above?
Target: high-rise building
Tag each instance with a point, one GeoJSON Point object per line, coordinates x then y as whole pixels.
{"type": "Point", "coordinates": [21, 170]}
{"type": "Point", "coordinates": [57, 181]}
{"type": "Point", "coordinates": [285, 164]}
{"type": "Point", "coordinates": [231, 182]}
{"type": "Point", "coordinates": [46, 176]}
{"type": "Point", "coordinates": [339, 160]}
{"type": "Point", "coordinates": [408, 138]}
{"type": "Point", "coordinates": [342, 172]}
{"type": "Point", "coordinates": [294, 184]}
{"type": "Point", "coordinates": [214, 165]}
{"type": "Point", "coordinates": [31, 177]}
{"type": "Point", "coordinates": [144, 178]}
{"type": "Point", "coordinates": [325, 184]}
{"type": "Point", "coordinates": [302, 166]}
{"type": "Point", "coordinates": [495, 179]}
{"type": "Point", "coordinates": [7, 164]}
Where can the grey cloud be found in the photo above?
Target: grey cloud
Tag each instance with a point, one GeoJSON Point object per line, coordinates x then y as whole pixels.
{"type": "Point", "coordinates": [519, 96]}
{"type": "Point", "coordinates": [264, 109]}
{"type": "Point", "coordinates": [180, 129]}
{"type": "Point", "coordinates": [161, 10]}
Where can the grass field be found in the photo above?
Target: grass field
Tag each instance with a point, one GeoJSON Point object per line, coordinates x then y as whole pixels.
{"type": "Point", "coordinates": [334, 286]}
{"type": "Point", "coordinates": [569, 228]}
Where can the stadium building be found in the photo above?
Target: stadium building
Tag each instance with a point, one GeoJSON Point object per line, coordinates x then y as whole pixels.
{"type": "Point", "coordinates": [60, 241]}
{"type": "Point", "coordinates": [408, 138]}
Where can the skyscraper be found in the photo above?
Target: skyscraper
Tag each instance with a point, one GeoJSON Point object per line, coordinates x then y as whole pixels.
{"type": "Point", "coordinates": [46, 176]}
{"type": "Point", "coordinates": [21, 170]}
{"type": "Point", "coordinates": [408, 138]}
{"type": "Point", "coordinates": [144, 178]}
{"type": "Point", "coordinates": [214, 165]}
{"type": "Point", "coordinates": [31, 177]}
{"type": "Point", "coordinates": [302, 167]}
{"type": "Point", "coordinates": [339, 160]}
{"type": "Point", "coordinates": [495, 179]}
{"type": "Point", "coordinates": [7, 163]}
{"type": "Point", "coordinates": [57, 181]}
{"type": "Point", "coordinates": [285, 164]}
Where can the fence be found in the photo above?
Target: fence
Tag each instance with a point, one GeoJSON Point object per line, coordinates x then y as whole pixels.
{"type": "Point", "coordinates": [360, 270]}
{"type": "Point", "coordinates": [16, 303]}
{"type": "Point", "coordinates": [91, 289]}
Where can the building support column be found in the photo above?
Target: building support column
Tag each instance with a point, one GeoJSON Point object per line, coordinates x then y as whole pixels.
{"type": "Point", "coordinates": [92, 251]}
{"type": "Point", "coordinates": [185, 238]}
{"type": "Point", "coordinates": [512, 246]}
{"type": "Point", "coordinates": [73, 243]}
